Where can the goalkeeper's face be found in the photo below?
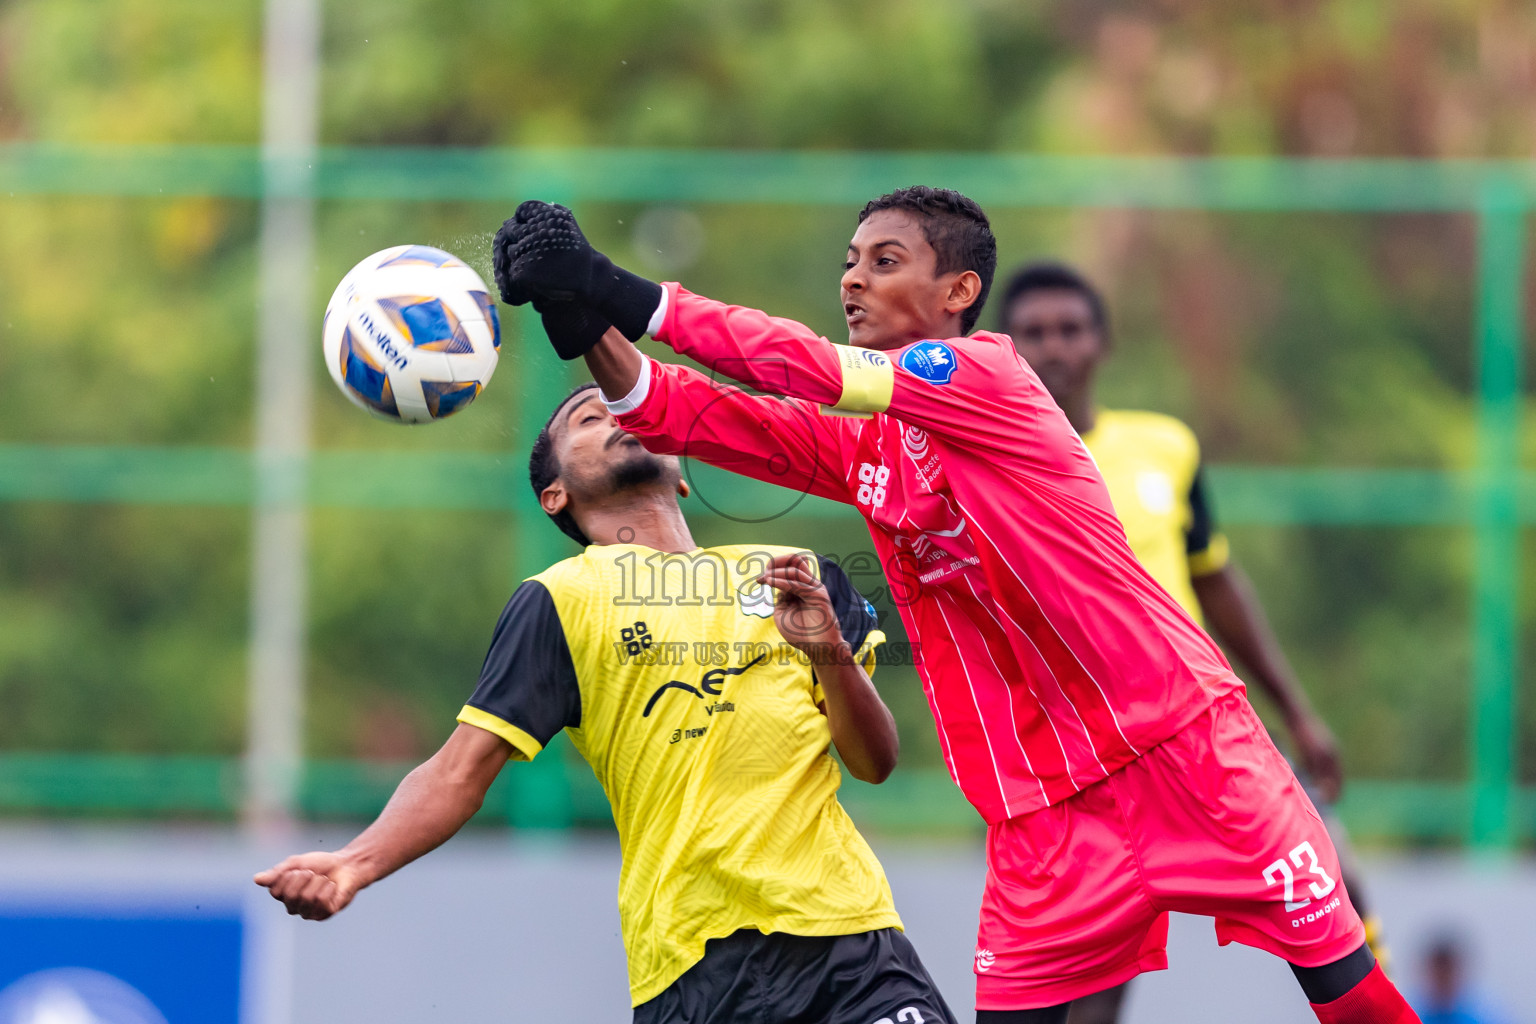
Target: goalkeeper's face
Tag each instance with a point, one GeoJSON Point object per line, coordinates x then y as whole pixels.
{"type": "Point", "coordinates": [892, 293]}
{"type": "Point", "coordinates": [601, 463]}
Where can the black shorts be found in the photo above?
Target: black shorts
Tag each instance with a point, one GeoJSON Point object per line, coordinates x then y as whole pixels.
{"type": "Point", "coordinates": [866, 978]}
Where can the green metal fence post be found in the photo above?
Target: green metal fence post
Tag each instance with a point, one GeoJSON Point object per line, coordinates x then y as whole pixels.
{"type": "Point", "coordinates": [1501, 255]}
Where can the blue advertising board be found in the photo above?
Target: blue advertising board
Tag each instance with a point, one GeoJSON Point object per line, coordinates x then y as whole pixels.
{"type": "Point", "coordinates": [98, 967]}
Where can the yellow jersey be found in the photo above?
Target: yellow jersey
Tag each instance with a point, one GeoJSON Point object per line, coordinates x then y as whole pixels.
{"type": "Point", "coordinates": [703, 727]}
{"type": "Point", "coordinates": [1151, 464]}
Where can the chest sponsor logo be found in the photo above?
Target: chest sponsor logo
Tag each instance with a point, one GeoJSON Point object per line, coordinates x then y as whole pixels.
{"type": "Point", "coordinates": [710, 684]}
{"type": "Point", "coordinates": [936, 538]}
{"type": "Point", "coordinates": [933, 361]}
{"type": "Point", "coordinates": [915, 441]}
{"type": "Point", "coordinates": [1155, 491]}
{"type": "Point", "coordinates": [634, 639]}
{"type": "Point", "coordinates": [872, 481]}
{"type": "Point", "coordinates": [756, 600]}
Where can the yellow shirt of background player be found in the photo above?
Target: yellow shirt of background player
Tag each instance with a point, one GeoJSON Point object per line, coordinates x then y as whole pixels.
{"type": "Point", "coordinates": [702, 726]}
{"type": "Point", "coordinates": [1151, 465]}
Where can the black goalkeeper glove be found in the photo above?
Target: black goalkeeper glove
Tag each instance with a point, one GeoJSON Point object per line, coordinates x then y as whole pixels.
{"type": "Point", "coordinates": [541, 253]}
{"type": "Point", "coordinates": [573, 329]}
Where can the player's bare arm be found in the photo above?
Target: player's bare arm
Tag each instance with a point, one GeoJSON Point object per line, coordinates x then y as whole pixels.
{"type": "Point", "coordinates": [615, 364]}
{"type": "Point", "coordinates": [431, 804]}
{"type": "Point", "coordinates": [1237, 618]}
{"type": "Point", "coordinates": [863, 729]}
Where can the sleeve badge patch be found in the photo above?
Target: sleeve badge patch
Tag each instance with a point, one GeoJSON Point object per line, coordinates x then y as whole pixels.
{"type": "Point", "coordinates": [933, 361]}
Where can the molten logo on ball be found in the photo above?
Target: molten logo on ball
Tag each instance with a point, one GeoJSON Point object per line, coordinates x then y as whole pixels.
{"type": "Point", "coordinates": [411, 334]}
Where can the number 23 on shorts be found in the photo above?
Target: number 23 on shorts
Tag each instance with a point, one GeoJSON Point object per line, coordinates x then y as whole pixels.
{"type": "Point", "coordinates": [1302, 855]}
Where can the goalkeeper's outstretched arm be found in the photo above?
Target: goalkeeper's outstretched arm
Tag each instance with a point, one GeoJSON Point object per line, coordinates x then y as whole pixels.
{"type": "Point", "coordinates": [967, 392]}
{"type": "Point", "coordinates": [431, 804]}
{"type": "Point", "coordinates": [972, 390]}
{"type": "Point", "coordinates": [676, 410]}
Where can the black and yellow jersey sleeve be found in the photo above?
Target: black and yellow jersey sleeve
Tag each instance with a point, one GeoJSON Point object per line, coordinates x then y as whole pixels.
{"type": "Point", "coordinates": [527, 691]}
{"type": "Point", "coordinates": [1205, 547]}
{"type": "Point", "coordinates": [855, 615]}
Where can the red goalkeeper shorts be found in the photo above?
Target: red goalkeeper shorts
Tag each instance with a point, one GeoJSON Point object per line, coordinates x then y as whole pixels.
{"type": "Point", "coordinates": [1211, 822]}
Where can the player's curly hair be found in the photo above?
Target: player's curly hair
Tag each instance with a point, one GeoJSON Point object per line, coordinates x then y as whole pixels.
{"type": "Point", "coordinates": [1050, 276]}
{"type": "Point", "coordinates": [544, 468]}
{"type": "Point", "coordinates": [957, 229]}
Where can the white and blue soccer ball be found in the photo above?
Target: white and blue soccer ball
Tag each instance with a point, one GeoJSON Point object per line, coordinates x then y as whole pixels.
{"type": "Point", "coordinates": [411, 334]}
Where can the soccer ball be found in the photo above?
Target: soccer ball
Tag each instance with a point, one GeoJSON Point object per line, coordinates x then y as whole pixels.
{"type": "Point", "coordinates": [411, 334]}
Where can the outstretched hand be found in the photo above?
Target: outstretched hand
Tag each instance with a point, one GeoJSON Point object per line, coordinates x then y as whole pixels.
{"type": "Point", "coordinates": [313, 886]}
{"type": "Point", "coordinates": [573, 329]}
{"type": "Point", "coordinates": [540, 255]}
{"type": "Point", "coordinates": [803, 610]}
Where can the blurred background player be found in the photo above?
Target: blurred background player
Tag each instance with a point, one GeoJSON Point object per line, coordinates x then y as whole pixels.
{"type": "Point", "coordinates": [745, 892]}
{"type": "Point", "coordinates": [1092, 723]}
{"type": "Point", "coordinates": [1445, 996]}
{"type": "Point", "coordinates": [1151, 465]}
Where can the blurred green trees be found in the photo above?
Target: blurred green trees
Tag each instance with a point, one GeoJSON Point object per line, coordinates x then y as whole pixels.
{"type": "Point", "coordinates": [1283, 339]}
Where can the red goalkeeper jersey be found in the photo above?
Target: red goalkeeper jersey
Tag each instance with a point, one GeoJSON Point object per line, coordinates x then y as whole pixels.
{"type": "Point", "coordinates": [1049, 657]}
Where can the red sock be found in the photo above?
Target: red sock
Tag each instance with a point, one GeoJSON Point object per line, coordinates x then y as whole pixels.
{"type": "Point", "coordinates": [1374, 1001]}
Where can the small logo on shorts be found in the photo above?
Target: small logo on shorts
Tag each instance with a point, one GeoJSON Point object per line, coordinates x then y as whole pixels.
{"type": "Point", "coordinates": [985, 958]}
{"type": "Point", "coordinates": [1316, 915]}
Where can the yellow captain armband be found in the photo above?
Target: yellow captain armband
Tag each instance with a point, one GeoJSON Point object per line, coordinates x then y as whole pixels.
{"type": "Point", "coordinates": [869, 380]}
